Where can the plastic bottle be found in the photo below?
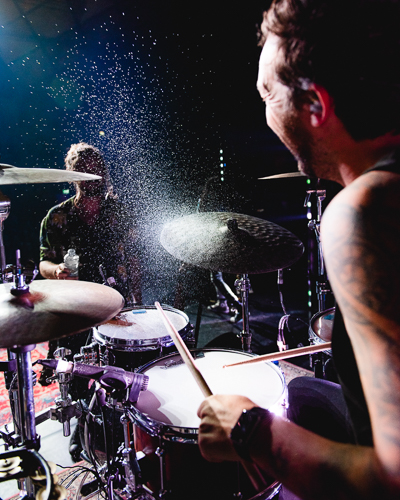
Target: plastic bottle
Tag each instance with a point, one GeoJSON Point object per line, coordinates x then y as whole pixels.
{"type": "Point", "coordinates": [71, 261]}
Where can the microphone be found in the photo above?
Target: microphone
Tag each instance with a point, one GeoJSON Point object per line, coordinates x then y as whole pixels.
{"type": "Point", "coordinates": [111, 377]}
{"type": "Point", "coordinates": [107, 281]}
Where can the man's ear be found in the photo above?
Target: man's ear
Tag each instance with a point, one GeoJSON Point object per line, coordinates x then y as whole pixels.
{"type": "Point", "coordinates": [321, 105]}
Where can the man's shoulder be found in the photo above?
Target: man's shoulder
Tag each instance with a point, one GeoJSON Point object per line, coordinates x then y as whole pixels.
{"type": "Point", "coordinates": [62, 209]}
{"type": "Point", "coordinates": [366, 209]}
{"type": "Point", "coordinates": [63, 206]}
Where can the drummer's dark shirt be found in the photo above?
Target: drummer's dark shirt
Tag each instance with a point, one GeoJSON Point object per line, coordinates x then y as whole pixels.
{"type": "Point", "coordinates": [110, 242]}
{"type": "Point", "coordinates": [343, 354]}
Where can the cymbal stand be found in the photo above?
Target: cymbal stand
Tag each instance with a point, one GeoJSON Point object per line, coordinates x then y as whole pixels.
{"type": "Point", "coordinates": [5, 205]}
{"type": "Point", "coordinates": [317, 361]}
{"type": "Point", "coordinates": [243, 288]}
{"type": "Point", "coordinates": [25, 402]}
{"type": "Point", "coordinates": [322, 282]}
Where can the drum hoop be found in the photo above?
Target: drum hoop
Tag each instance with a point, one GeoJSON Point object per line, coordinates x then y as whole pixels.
{"type": "Point", "coordinates": [177, 433]}
{"type": "Point", "coordinates": [142, 344]}
{"type": "Point", "coordinates": [313, 338]}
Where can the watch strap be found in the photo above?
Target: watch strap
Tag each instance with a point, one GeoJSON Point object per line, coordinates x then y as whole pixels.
{"type": "Point", "coordinates": [245, 427]}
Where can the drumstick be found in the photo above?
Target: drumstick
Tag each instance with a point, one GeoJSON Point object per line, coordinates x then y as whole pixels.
{"type": "Point", "coordinates": [291, 353]}
{"type": "Point", "coordinates": [185, 353]}
{"type": "Point", "coordinates": [251, 469]}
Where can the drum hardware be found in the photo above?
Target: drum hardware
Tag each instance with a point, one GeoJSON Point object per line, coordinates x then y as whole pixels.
{"type": "Point", "coordinates": [65, 408]}
{"type": "Point", "coordinates": [5, 205]}
{"type": "Point", "coordinates": [88, 354]}
{"type": "Point", "coordinates": [37, 313]}
{"type": "Point", "coordinates": [26, 463]}
{"type": "Point", "coordinates": [323, 288]}
{"type": "Point", "coordinates": [122, 471]}
{"type": "Point", "coordinates": [242, 289]}
{"type": "Point", "coordinates": [318, 361]}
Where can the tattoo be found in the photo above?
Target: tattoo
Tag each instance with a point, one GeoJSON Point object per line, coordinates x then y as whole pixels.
{"type": "Point", "coordinates": [361, 237]}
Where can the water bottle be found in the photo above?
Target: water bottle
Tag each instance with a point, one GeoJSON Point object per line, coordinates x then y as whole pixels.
{"type": "Point", "coordinates": [71, 262]}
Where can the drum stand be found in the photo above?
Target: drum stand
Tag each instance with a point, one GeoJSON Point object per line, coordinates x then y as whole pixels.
{"type": "Point", "coordinates": [322, 285]}
{"type": "Point", "coordinates": [243, 288]}
{"type": "Point", "coordinates": [323, 290]}
{"type": "Point", "coordinates": [5, 205]}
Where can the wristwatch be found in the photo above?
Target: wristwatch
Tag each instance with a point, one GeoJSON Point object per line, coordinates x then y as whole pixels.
{"type": "Point", "coordinates": [245, 427]}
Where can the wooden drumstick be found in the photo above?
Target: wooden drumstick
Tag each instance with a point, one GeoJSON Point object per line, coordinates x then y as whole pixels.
{"type": "Point", "coordinates": [251, 469]}
{"type": "Point", "coordinates": [291, 353]}
{"type": "Point", "coordinates": [185, 353]}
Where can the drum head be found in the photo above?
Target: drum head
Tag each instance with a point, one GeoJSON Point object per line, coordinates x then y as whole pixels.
{"type": "Point", "coordinates": [173, 397]}
{"type": "Point", "coordinates": [140, 326]}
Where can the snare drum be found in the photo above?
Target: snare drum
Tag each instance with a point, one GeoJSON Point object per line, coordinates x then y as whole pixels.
{"type": "Point", "coordinates": [138, 335]}
{"type": "Point", "coordinates": [166, 424]}
{"type": "Point", "coordinates": [320, 330]}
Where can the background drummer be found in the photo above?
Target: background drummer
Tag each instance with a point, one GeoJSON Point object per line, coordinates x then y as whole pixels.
{"type": "Point", "coordinates": [101, 231]}
{"type": "Point", "coordinates": [330, 78]}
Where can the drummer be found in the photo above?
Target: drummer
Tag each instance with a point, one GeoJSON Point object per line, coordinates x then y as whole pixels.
{"type": "Point", "coordinates": [330, 78]}
{"type": "Point", "coordinates": [96, 225]}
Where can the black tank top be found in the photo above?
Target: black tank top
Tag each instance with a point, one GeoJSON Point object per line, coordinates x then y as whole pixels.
{"type": "Point", "coordinates": [343, 355]}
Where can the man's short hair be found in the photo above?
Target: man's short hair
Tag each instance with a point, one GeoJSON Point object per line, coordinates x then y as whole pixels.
{"type": "Point", "coordinates": [84, 151]}
{"type": "Point", "coordinates": [80, 151]}
{"type": "Point", "coordinates": [350, 47]}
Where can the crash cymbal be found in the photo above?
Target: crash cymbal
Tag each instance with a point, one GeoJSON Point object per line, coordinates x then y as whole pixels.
{"type": "Point", "coordinates": [231, 243]}
{"type": "Point", "coordinates": [16, 175]}
{"type": "Point", "coordinates": [283, 176]}
{"type": "Point", "coordinates": [53, 309]}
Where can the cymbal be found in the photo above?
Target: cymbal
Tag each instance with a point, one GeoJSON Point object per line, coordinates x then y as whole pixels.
{"type": "Point", "coordinates": [283, 176]}
{"type": "Point", "coordinates": [231, 243]}
{"type": "Point", "coordinates": [53, 309]}
{"type": "Point", "coordinates": [16, 175]}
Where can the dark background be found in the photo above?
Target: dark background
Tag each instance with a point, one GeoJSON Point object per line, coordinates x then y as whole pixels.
{"type": "Point", "coordinates": [161, 88]}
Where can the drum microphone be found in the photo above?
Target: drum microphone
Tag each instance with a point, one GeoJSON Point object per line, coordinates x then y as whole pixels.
{"type": "Point", "coordinates": [111, 377]}
{"type": "Point", "coordinates": [107, 281]}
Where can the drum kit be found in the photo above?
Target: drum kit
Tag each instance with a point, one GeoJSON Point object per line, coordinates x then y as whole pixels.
{"type": "Point", "coordinates": [140, 426]}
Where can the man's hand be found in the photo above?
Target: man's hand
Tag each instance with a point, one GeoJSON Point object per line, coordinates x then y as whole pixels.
{"type": "Point", "coordinates": [63, 273]}
{"type": "Point", "coordinates": [219, 415]}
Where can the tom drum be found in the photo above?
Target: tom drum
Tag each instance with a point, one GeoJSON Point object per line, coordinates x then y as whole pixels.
{"type": "Point", "coordinates": [138, 335]}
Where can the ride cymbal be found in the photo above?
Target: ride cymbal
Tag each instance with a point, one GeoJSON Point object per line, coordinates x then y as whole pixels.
{"type": "Point", "coordinates": [231, 243]}
{"type": "Point", "coordinates": [16, 175]}
{"type": "Point", "coordinates": [53, 309]}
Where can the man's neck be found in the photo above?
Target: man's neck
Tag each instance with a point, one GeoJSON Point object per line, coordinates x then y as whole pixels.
{"type": "Point", "coordinates": [364, 155]}
{"type": "Point", "coordinates": [88, 207]}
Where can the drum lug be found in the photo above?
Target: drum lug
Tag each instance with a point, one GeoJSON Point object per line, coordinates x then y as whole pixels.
{"type": "Point", "coordinates": [160, 452]}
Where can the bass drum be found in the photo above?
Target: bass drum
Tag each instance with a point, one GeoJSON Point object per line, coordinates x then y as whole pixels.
{"type": "Point", "coordinates": [137, 335]}
{"type": "Point", "coordinates": [166, 424]}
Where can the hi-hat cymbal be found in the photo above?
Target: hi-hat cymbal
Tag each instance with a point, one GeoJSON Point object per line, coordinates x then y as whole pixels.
{"type": "Point", "coordinates": [231, 243]}
{"type": "Point", "coordinates": [283, 176]}
{"type": "Point", "coordinates": [53, 309]}
{"type": "Point", "coordinates": [16, 175]}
